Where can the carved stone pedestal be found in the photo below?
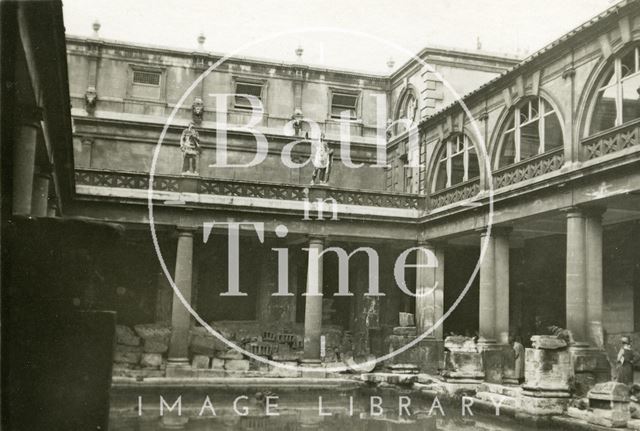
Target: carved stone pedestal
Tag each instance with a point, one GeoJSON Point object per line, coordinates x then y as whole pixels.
{"type": "Point", "coordinates": [462, 360]}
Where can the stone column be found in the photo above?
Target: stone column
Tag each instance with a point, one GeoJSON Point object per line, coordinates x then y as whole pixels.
{"type": "Point", "coordinates": [180, 316]}
{"type": "Point", "coordinates": [313, 302]}
{"type": "Point", "coordinates": [40, 198]}
{"type": "Point", "coordinates": [593, 234]}
{"type": "Point", "coordinates": [24, 156]}
{"type": "Point", "coordinates": [427, 290]}
{"type": "Point", "coordinates": [487, 324]}
{"type": "Point", "coordinates": [576, 275]}
{"type": "Point", "coordinates": [501, 257]}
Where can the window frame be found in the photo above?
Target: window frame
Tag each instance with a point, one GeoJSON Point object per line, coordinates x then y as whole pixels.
{"type": "Point", "coordinates": [146, 69]}
{"type": "Point", "coordinates": [248, 82]}
{"type": "Point", "coordinates": [463, 145]}
{"type": "Point", "coordinates": [514, 124]}
{"type": "Point", "coordinates": [618, 83]}
{"type": "Point", "coordinates": [356, 94]}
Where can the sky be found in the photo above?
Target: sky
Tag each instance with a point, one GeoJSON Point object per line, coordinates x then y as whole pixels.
{"type": "Point", "coordinates": [359, 35]}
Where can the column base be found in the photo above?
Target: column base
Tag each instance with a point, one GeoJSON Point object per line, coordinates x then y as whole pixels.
{"type": "Point", "coordinates": [179, 367]}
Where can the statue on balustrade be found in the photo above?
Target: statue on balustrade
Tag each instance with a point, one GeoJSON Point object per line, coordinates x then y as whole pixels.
{"type": "Point", "coordinates": [190, 147]}
{"type": "Point", "coordinates": [321, 158]}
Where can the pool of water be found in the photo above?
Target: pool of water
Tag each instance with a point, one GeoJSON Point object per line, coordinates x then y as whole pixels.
{"type": "Point", "coordinates": [204, 409]}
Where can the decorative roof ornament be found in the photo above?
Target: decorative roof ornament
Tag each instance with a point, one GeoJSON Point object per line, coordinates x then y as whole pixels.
{"type": "Point", "coordinates": [299, 51]}
{"type": "Point", "coordinates": [201, 40]}
{"type": "Point", "coordinates": [391, 63]}
{"type": "Point", "coordinates": [96, 28]}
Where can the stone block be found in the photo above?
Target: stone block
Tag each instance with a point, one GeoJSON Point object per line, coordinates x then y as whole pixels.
{"type": "Point", "coordinates": [151, 360]}
{"type": "Point", "coordinates": [543, 405]}
{"type": "Point", "coordinates": [179, 370]}
{"type": "Point", "coordinates": [236, 365]}
{"type": "Point", "coordinates": [230, 354]}
{"type": "Point", "coordinates": [463, 365]}
{"type": "Point", "coordinates": [459, 343]}
{"type": "Point", "coordinates": [206, 345]}
{"type": "Point", "coordinates": [127, 357]}
{"type": "Point", "coordinates": [609, 404]}
{"type": "Point", "coordinates": [124, 349]}
{"type": "Point", "coordinates": [406, 319]}
{"type": "Point", "coordinates": [201, 373]}
{"type": "Point", "coordinates": [405, 331]}
{"type": "Point", "coordinates": [152, 346]}
{"type": "Point", "coordinates": [547, 370]}
{"type": "Point", "coordinates": [284, 372]}
{"type": "Point", "coordinates": [548, 342]}
{"type": "Point", "coordinates": [124, 335]}
{"type": "Point", "coordinates": [217, 364]}
{"type": "Point", "coordinates": [154, 332]}
{"type": "Point", "coordinates": [200, 362]}
{"type": "Point", "coordinates": [492, 364]}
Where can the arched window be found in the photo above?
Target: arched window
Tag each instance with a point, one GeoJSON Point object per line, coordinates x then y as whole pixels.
{"type": "Point", "coordinates": [457, 162]}
{"type": "Point", "coordinates": [532, 128]}
{"type": "Point", "coordinates": [617, 99]}
{"type": "Point", "coordinates": [407, 113]}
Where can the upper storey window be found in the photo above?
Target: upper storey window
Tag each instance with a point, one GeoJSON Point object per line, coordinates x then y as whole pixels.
{"type": "Point", "coordinates": [457, 162]}
{"type": "Point", "coordinates": [344, 105]}
{"type": "Point", "coordinates": [244, 89]}
{"type": "Point", "coordinates": [407, 113]}
{"type": "Point", "coordinates": [145, 83]}
{"type": "Point", "coordinates": [617, 99]}
{"type": "Point", "coordinates": [532, 128]}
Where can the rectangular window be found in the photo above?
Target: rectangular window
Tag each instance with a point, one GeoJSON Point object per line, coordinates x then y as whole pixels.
{"type": "Point", "coordinates": [244, 89]}
{"type": "Point", "coordinates": [344, 103]}
{"type": "Point", "coordinates": [146, 78]}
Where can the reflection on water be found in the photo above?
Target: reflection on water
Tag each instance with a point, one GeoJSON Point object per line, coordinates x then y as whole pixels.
{"type": "Point", "coordinates": [292, 409]}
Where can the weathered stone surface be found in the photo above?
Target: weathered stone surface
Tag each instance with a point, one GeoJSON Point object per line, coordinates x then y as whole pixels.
{"type": "Point", "coordinates": [284, 372]}
{"type": "Point", "coordinates": [236, 365]}
{"type": "Point", "coordinates": [230, 354]}
{"type": "Point", "coordinates": [151, 346]}
{"type": "Point", "coordinates": [206, 345]}
{"type": "Point", "coordinates": [154, 332]}
{"type": "Point", "coordinates": [610, 391]}
{"type": "Point", "coordinates": [127, 357]}
{"type": "Point", "coordinates": [547, 370]}
{"type": "Point", "coordinates": [151, 360]}
{"type": "Point", "coordinates": [200, 362]}
{"type": "Point", "coordinates": [405, 330]}
{"type": "Point", "coordinates": [217, 364]}
{"type": "Point", "coordinates": [463, 365]}
{"type": "Point", "coordinates": [459, 343]}
{"type": "Point", "coordinates": [549, 342]}
{"type": "Point", "coordinates": [633, 424]}
{"type": "Point", "coordinates": [124, 335]}
{"type": "Point", "coordinates": [406, 319]}
{"type": "Point", "coordinates": [287, 356]}
{"type": "Point", "coordinates": [124, 349]}
{"type": "Point", "coordinates": [534, 405]}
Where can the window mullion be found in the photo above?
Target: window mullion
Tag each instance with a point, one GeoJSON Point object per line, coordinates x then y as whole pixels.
{"type": "Point", "coordinates": [618, 73]}
{"type": "Point", "coordinates": [541, 113]}
{"type": "Point", "coordinates": [448, 164]}
{"type": "Point", "coordinates": [516, 135]}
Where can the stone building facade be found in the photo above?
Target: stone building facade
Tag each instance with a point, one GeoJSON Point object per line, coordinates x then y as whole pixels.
{"type": "Point", "coordinates": [528, 197]}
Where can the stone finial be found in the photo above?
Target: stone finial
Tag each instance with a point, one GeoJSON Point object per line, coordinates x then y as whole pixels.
{"type": "Point", "coordinates": [299, 51]}
{"type": "Point", "coordinates": [478, 43]}
{"type": "Point", "coordinates": [201, 40]}
{"type": "Point", "coordinates": [391, 63]}
{"type": "Point", "coordinates": [96, 28]}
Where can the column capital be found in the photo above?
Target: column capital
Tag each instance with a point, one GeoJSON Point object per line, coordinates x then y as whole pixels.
{"type": "Point", "coordinates": [317, 239]}
{"type": "Point", "coordinates": [594, 211]}
{"type": "Point", "coordinates": [185, 230]}
{"type": "Point", "coordinates": [574, 212]}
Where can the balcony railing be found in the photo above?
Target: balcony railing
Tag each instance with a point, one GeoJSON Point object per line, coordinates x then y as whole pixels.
{"type": "Point", "coordinates": [453, 194]}
{"type": "Point", "coordinates": [611, 141]}
{"type": "Point", "coordinates": [242, 188]}
{"type": "Point", "coordinates": [530, 168]}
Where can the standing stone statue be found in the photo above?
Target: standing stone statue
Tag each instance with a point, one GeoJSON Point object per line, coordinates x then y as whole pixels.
{"type": "Point", "coordinates": [321, 157]}
{"type": "Point", "coordinates": [190, 147]}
